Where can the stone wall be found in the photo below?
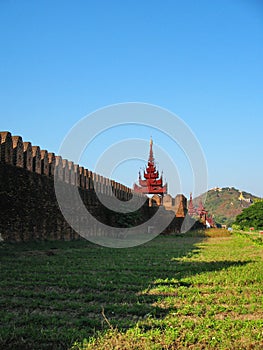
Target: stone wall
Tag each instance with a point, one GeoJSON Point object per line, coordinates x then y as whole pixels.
{"type": "Point", "coordinates": [29, 209]}
{"type": "Point", "coordinates": [15, 151]}
{"type": "Point", "coordinates": [28, 204]}
{"type": "Point", "coordinates": [178, 204]}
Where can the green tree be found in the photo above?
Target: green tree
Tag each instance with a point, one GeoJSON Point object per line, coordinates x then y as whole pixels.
{"type": "Point", "coordinates": [251, 217]}
{"type": "Point", "coordinates": [257, 200]}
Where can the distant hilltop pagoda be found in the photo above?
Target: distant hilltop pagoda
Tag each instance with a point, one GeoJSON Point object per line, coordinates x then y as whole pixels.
{"type": "Point", "coordinates": [152, 183]}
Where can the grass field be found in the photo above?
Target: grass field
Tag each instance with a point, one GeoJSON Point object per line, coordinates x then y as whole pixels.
{"type": "Point", "coordinates": [175, 292]}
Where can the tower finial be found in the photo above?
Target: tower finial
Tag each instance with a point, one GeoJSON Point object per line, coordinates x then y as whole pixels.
{"type": "Point", "coordinates": [151, 159]}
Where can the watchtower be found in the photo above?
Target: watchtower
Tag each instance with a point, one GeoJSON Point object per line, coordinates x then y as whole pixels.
{"type": "Point", "coordinates": [151, 183]}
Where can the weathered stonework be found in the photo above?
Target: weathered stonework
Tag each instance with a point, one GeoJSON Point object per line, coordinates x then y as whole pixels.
{"type": "Point", "coordinates": [6, 147]}
{"type": "Point", "coordinates": [66, 176]}
{"type": "Point", "coordinates": [181, 205]}
{"type": "Point", "coordinates": [82, 178]}
{"type": "Point", "coordinates": [76, 174]}
{"type": "Point", "coordinates": [71, 171]}
{"type": "Point", "coordinates": [52, 163]}
{"type": "Point", "coordinates": [90, 180]}
{"type": "Point", "coordinates": [59, 171]}
{"type": "Point", "coordinates": [18, 151]}
{"type": "Point", "coordinates": [178, 204]}
{"type": "Point", "coordinates": [28, 156]}
{"type": "Point", "coordinates": [28, 205]}
{"type": "Point", "coordinates": [44, 162]}
{"type": "Point", "coordinates": [36, 159]}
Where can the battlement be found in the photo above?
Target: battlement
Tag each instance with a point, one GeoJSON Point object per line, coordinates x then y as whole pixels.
{"type": "Point", "coordinates": [28, 203]}
{"type": "Point", "coordinates": [19, 153]}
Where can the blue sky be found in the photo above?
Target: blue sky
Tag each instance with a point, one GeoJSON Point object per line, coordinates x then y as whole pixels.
{"type": "Point", "coordinates": [202, 60]}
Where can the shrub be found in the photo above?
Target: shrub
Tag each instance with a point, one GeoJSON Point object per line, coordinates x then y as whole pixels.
{"type": "Point", "coordinates": [251, 217]}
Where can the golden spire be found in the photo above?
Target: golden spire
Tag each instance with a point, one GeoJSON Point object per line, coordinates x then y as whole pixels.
{"type": "Point", "coordinates": [241, 197]}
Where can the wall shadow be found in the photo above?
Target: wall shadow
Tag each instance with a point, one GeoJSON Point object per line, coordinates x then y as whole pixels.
{"type": "Point", "coordinates": [71, 290]}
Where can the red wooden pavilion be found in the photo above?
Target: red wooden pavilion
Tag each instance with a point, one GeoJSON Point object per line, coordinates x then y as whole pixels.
{"type": "Point", "coordinates": [151, 183]}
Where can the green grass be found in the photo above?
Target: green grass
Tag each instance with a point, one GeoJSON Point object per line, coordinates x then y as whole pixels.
{"type": "Point", "coordinates": [255, 236]}
{"type": "Point", "coordinates": [175, 292]}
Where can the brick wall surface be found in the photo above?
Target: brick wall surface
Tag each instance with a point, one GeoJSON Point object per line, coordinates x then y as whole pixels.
{"type": "Point", "coordinates": [28, 204]}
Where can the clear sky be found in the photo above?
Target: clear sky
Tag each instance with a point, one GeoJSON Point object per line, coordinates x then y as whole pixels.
{"type": "Point", "coordinates": [202, 60]}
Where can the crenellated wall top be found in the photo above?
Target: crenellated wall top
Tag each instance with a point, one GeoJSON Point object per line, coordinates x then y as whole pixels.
{"type": "Point", "coordinates": [44, 163]}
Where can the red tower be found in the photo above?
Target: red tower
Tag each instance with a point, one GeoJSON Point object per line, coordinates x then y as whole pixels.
{"type": "Point", "coordinates": [202, 212]}
{"type": "Point", "coordinates": [191, 208]}
{"type": "Point", "coordinates": [151, 184]}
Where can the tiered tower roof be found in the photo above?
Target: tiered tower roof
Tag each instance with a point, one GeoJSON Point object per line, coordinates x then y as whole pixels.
{"type": "Point", "coordinates": [151, 182]}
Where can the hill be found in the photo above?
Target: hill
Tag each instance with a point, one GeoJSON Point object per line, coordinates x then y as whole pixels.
{"type": "Point", "coordinates": [226, 203]}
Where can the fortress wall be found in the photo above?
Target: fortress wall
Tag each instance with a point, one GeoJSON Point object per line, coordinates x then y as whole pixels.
{"type": "Point", "coordinates": [28, 156]}
{"type": "Point", "coordinates": [58, 169]}
{"type": "Point", "coordinates": [82, 180]}
{"type": "Point", "coordinates": [36, 159]}
{"type": "Point", "coordinates": [181, 205]}
{"type": "Point", "coordinates": [71, 179]}
{"type": "Point", "coordinates": [28, 204]}
{"type": "Point", "coordinates": [178, 205]}
{"type": "Point", "coordinates": [65, 171]}
{"type": "Point", "coordinates": [29, 208]}
{"type": "Point", "coordinates": [52, 163]}
{"type": "Point", "coordinates": [18, 151]}
{"type": "Point", "coordinates": [44, 162]}
{"type": "Point", "coordinates": [75, 176]}
{"type": "Point", "coordinates": [6, 147]}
